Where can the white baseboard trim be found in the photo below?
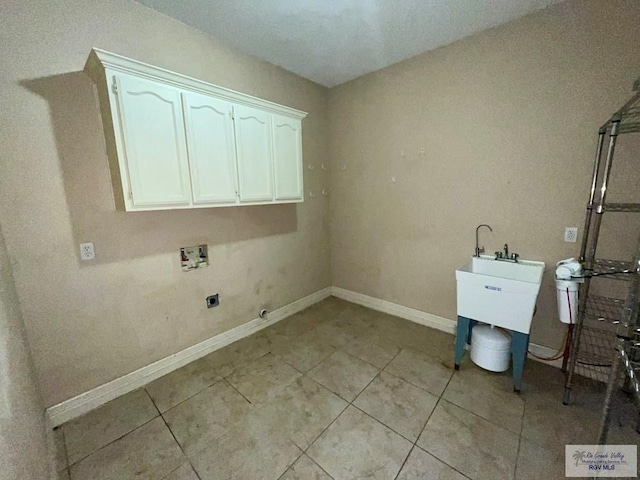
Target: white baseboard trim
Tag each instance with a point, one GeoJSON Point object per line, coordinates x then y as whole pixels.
{"type": "Point", "coordinates": [83, 403]}
{"type": "Point", "coordinates": [428, 319]}
{"type": "Point", "coordinates": [52, 450]}
{"type": "Point", "coordinates": [417, 316]}
{"type": "Point", "coordinates": [545, 352]}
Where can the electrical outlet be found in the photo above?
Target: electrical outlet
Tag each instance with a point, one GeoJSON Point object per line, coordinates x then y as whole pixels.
{"type": "Point", "coordinates": [571, 234]}
{"type": "Point", "coordinates": [87, 251]}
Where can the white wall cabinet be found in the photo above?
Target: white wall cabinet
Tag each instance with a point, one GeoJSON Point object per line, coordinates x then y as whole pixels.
{"type": "Point", "coordinates": [177, 142]}
{"type": "Point", "coordinates": [255, 154]}
{"type": "Point", "coordinates": [212, 151]}
{"type": "Point", "coordinates": [287, 157]}
{"type": "Point", "coordinates": [154, 143]}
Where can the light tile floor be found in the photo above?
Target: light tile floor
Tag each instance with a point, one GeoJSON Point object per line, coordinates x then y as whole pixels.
{"type": "Point", "coordinates": [336, 391]}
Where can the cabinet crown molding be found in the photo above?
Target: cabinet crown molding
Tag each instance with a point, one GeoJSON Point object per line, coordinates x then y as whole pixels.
{"type": "Point", "coordinates": [101, 59]}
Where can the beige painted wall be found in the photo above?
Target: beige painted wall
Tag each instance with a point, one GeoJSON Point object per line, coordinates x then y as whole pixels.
{"type": "Point", "coordinates": [91, 322]}
{"type": "Point", "coordinates": [508, 120]}
{"type": "Point", "coordinates": [23, 443]}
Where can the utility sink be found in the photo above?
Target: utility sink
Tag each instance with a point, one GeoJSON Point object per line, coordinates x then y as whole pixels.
{"type": "Point", "coordinates": [499, 293]}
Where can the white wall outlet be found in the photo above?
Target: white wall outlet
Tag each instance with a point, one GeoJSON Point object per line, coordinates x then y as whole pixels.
{"type": "Point", "coordinates": [87, 251]}
{"type": "Point", "coordinates": [571, 234]}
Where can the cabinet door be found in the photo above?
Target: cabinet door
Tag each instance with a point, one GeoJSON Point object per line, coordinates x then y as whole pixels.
{"type": "Point", "coordinates": [255, 159]}
{"type": "Point", "coordinates": [287, 157]}
{"type": "Point", "coordinates": [154, 142]}
{"type": "Point", "coordinates": [211, 146]}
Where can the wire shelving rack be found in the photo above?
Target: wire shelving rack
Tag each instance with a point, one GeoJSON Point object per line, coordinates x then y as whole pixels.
{"type": "Point", "coordinates": [606, 343]}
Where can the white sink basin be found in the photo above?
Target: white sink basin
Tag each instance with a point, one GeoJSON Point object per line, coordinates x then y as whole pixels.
{"type": "Point", "coordinates": [499, 293]}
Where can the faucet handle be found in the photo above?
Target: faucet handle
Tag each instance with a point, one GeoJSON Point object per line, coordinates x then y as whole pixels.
{"type": "Point", "coordinates": [498, 254]}
{"type": "Point", "coordinates": [514, 257]}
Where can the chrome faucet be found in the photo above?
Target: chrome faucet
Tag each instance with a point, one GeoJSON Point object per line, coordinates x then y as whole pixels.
{"type": "Point", "coordinates": [504, 256]}
{"type": "Point", "coordinates": [480, 250]}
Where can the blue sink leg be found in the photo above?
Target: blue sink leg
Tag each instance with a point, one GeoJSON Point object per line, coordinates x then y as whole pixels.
{"type": "Point", "coordinates": [519, 347]}
{"type": "Point", "coordinates": [463, 336]}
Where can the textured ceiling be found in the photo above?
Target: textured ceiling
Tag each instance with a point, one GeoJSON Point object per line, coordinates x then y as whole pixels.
{"type": "Point", "coordinates": [333, 41]}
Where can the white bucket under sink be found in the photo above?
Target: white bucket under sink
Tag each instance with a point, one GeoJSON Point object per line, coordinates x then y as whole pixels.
{"type": "Point", "coordinates": [490, 348]}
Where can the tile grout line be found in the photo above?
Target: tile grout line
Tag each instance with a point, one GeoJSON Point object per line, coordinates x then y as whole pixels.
{"type": "Point", "coordinates": [114, 441]}
{"type": "Point", "coordinates": [415, 445]}
{"type": "Point", "coordinates": [173, 436]}
{"type": "Point", "coordinates": [410, 383]}
{"type": "Point", "coordinates": [302, 374]}
{"type": "Point", "coordinates": [316, 364]}
{"type": "Point", "coordinates": [337, 349]}
{"type": "Point", "coordinates": [475, 413]}
{"type": "Point", "coordinates": [255, 405]}
{"type": "Point", "coordinates": [415, 442]}
{"type": "Point", "coordinates": [186, 399]}
{"type": "Point", "coordinates": [303, 454]}
{"type": "Point", "coordinates": [381, 422]}
{"type": "Point", "coordinates": [404, 462]}
{"type": "Point", "coordinates": [515, 466]}
{"type": "Point", "coordinates": [238, 391]}
{"type": "Point", "coordinates": [343, 410]}
{"type": "Point", "coordinates": [279, 357]}
{"type": "Point", "coordinates": [316, 463]}
{"type": "Point", "coordinates": [425, 426]}
{"type": "Point", "coordinates": [219, 380]}
{"type": "Point", "coordinates": [293, 463]}
{"type": "Point", "coordinates": [412, 442]}
{"type": "Point", "coordinates": [365, 361]}
{"type": "Point", "coordinates": [482, 418]}
{"type": "Point", "coordinates": [178, 468]}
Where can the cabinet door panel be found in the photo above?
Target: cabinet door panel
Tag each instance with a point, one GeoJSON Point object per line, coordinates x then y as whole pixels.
{"type": "Point", "coordinates": [255, 159]}
{"type": "Point", "coordinates": [153, 135]}
{"type": "Point", "coordinates": [212, 155]}
{"type": "Point", "coordinates": [287, 157]}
